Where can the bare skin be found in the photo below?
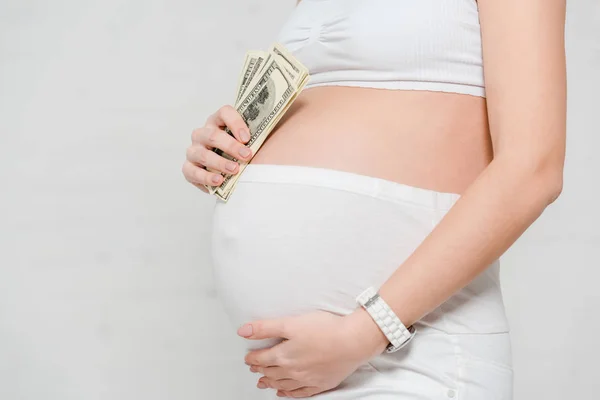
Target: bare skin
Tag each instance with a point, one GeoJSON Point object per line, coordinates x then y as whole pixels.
{"type": "Point", "coordinates": [508, 170]}
{"type": "Point", "coordinates": [428, 139]}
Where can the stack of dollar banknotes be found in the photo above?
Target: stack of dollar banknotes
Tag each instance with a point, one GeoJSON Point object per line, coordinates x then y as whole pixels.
{"type": "Point", "coordinates": [269, 83]}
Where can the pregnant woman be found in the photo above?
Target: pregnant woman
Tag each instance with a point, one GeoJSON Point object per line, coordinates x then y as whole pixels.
{"type": "Point", "coordinates": [359, 252]}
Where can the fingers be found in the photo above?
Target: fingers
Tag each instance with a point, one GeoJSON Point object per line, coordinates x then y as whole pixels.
{"type": "Point", "coordinates": [204, 157]}
{"type": "Point", "coordinates": [271, 372]}
{"type": "Point", "coordinates": [199, 176]}
{"type": "Point", "coordinates": [281, 384]}
{"type": "Point", "coordinates": [215, 138]}
{"type": "Point", "coordinates": [229, 117]}
{"type": "Point", "coordinates": [265, 329]}
{"type": "Point", "coordinates": [200, 155]}
{"type": "Point", "coordinates": [264, 358]}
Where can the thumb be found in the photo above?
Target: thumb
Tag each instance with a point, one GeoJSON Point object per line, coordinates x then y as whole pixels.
{"type": "Point", "coordinates": [265, 329]}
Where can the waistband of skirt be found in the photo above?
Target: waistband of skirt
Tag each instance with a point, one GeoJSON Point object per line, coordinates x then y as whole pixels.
{"type": "Point", "coordinates": [348, 181]}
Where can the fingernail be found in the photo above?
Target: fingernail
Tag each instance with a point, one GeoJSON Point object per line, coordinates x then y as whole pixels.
{"type": "Point", "coordinates": [244, 152]}
{"type": "Point", "coordinates": [231, 166]}
{"type": "Point", "coordinates": [245, 135]}
{"type": "Point", "coordinates": [261, 385]}
{"type": "Point", "coordinates": [245, 330]}
{"type": "Point", "coordinates": [216, 179]}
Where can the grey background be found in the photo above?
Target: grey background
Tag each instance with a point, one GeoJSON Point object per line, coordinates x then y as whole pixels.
{"type": "Point", "coordinates": [105, 279]}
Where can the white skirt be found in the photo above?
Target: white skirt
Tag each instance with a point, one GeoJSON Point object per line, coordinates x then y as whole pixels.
{"type": "Point", "coordinates": [293, 239]}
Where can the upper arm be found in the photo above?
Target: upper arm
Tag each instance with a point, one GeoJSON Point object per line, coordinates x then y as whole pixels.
{"type": "Point", "coordinates": [525, 78]}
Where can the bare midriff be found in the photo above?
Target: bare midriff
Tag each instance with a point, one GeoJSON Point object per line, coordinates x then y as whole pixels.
{"type": "Point", "coordinates": [433, 140]}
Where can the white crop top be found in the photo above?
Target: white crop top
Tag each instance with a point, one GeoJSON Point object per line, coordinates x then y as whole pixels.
{"type": "Point", "coordinates": [392, 44]}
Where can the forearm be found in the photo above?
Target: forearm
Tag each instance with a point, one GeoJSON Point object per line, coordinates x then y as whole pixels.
{"type": "Point", "coordinates": [490, 215]}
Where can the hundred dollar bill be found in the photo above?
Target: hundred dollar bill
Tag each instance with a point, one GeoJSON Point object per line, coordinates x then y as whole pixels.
{"type": "Point", "coordinates": [298, 74]}
{"type": "Point", "coordinates": [254, 62]}
{"type": "Point", "coordinates": [224, 195]}
{"type": "Point", "coordinates": [261, 104]}
{"type": "Point", "coordinates": [261, 110]}
{"type": "Point", "coordinates": [295, 69]}
{"type": "Point", "coordinates": [269, 83]}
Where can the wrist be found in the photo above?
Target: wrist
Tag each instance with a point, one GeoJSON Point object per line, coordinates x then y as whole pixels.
{"type": "Point", "coordinates": [364, 332]}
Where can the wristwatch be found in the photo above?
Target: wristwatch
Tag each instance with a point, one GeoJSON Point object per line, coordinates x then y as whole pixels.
{"type": "Point", "coordinates": [398, 334]}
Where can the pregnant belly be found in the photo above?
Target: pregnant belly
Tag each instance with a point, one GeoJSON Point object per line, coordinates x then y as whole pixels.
{"type": "Point", "coordinates": [284, 248]}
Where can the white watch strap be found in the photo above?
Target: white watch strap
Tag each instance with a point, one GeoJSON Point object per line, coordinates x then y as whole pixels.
{"type": "Point", "coordinates": [386, 319]}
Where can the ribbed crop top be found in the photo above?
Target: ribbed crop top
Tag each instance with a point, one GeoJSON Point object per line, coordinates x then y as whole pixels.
{"type": "Point", "coordinates": [391, 44]}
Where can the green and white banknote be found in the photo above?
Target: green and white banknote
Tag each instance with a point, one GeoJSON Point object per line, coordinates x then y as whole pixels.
{"type": "Point", "coordinates": [268, 84]}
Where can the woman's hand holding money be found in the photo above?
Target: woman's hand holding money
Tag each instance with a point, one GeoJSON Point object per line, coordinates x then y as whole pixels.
{"type": "Point", "coordinates": [200, 154]}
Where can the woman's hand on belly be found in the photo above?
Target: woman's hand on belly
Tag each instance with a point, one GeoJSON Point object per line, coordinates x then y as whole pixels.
{"type": "Point", "coordinates": [321, 349]}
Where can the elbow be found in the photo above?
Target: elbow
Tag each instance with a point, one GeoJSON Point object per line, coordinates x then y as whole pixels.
{"type": "Point", "coordinates": [551, 169]}
{"type": "Point", "coordinates": [540, 179]}
{"type": "Point", "coordinates": [554, 186]}
{"type": "Point", "coordinates": [547, 181]}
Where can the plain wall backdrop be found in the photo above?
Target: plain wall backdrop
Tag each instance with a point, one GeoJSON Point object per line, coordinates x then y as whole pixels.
{"type": "Point", "coordinates": [105, 276]}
